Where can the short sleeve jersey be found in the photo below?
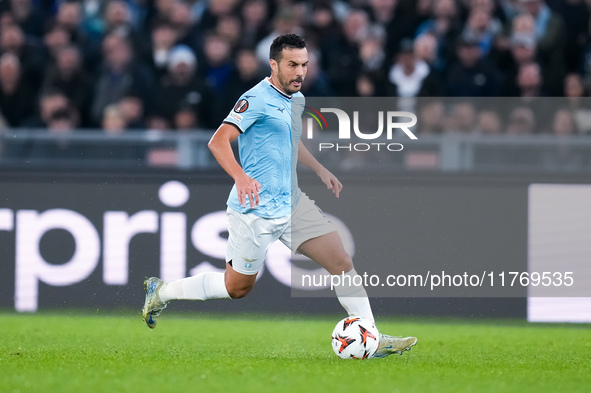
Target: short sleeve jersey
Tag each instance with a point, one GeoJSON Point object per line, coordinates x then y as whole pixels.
{"type": "Point", "coordinates": [269, 122]}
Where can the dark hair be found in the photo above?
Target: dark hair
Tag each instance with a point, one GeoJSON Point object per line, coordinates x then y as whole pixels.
{"type": "Point", "coordinates": [291, 41]}
{"type": "Point", "coordinates": [61, 114]}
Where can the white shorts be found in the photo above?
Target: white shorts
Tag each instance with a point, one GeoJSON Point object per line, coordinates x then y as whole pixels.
{"type": "Point", "coordinates": [250, 235]}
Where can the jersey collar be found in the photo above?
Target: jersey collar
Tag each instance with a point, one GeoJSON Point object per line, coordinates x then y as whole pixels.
{"type": "Point", "coordinates": [278, 91]}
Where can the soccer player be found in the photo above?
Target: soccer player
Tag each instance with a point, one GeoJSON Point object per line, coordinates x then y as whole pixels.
{"type": "Point", "coordinates": [265, 203]}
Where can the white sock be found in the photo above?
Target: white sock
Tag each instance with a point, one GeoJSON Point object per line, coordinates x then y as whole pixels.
{"type": "Point", "coordinates": [353, 297]}
{"type": "Point", "coordinates": [204, 286]}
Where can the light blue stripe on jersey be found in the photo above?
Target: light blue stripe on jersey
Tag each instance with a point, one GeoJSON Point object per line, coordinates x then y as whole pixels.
{"type": "Point", "coordinates": [268, 147]}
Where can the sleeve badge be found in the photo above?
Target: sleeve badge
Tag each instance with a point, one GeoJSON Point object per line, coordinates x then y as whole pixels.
{"type": "Point", "coordinates": [241, 106]}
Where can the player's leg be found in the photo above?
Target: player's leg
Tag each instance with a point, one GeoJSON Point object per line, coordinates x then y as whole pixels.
{"type": "Point", "coordinates": [209, 285]}
{"type": "Point", "coordinates": [327, 250]}
{"type": "Point", "coordinates": [249, 239]}
{"type": "Point", "coordinates": [238, 284]}
{"type": "Point", "coordinates": [313, 235]}
{"type": "Point", "coordinates": [203, 286]}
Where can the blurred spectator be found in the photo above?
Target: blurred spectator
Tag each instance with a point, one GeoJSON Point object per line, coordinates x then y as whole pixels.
{"type": "Point", "coordinates": [248, 73]}
{"type": "Point", "coordinates": [431, 116]}
{"type": "Point", "coordinates": [230, 28]}
{"type": "Point", "coordinates": [550, 36]}
{"type": "Point", "coordinates": [45, 7]}
{"type": "Point", "coordinates": [563, 123]}
{"type": "Point", "coordinates": [182, 86]}
{"type": "Point", "coordinates": [17, 97]}
{"type": "Point", "coordinates": [574, 86]}
{"type": "Point", "coordinates": [185, 118]}
{"type": "Point", "coordinates": [576, 15]}
{"type": "Point", "coordinates": [161, 10]}
{"type": "Point", "coordinates": [397, 24]}
{"type": "Point", "coordinates": [341, 59]}
{"type": "Point", "coordinates": [132, 107]}
{"type": "Point", "coordinates": [49, 101]}
{"type": "Point", "coordinates": [425, 48]}
{"type": "Point", "coordinates": [217, 69]}
{"type": "Point", "coordinates": [254, 15]}
{"type": "Point", "coordinates": [472, 75]}
{"type": "Point", "coordinates": [118, 21]}
{"type": "Point", "coordinates": [488, 122]}
{"type": "Point", "coordinates": [157, 123]}
{"type": "Point", "coordinates": [60, 123]}
{"type": "Point", "coordinates": [482, 28]}
{"type": "Point", "coordinates": [372, 52]}
{"type": "Point", "coordinates": [187, 31]}
{"type": "Point", "coordinates": [407, 74]}
{"type": "Point", "coordinates": [462, 118]}
{"type": "Point", "coordinates": [55, 39]}
{"type": "Point", "coordinates": [120, 73]}
{"type": "Point", "coordinates": [90, 13]}
{"type": "Point", "coordinates": [114, 121]}
{"type": "Point", "coordinates": [214, 11]}
{"type": "Point", "coordinates": [29, 17]}
{"type": "Point", "coordinates": [218, 64]}
{"type": "Point", "coordinates": [521, 121]}
{"type": "Point", "coordinates": [445, 26]}
{"type": "Point", "coordinates": [529, 80]}
{"type": "Point", "coordinates": [575, 93]}
{"type": "Point", "coordinates": [284, 22]}
{"type": "Point", "coordinates": [69, 77]}
{"type": "Point", "coordinates": [366, 86]}
{"type": "Point", "coordinates": [508, 9]}
{"type": "Point", "coordinates": [316, 83]}
{"type": "Point", "coordinates": [525, 24]}
{"type": "Point", "coordinates": [488, 6]}
{"type": "Point", "coordinates": [522, 51]}
{"type": "Point", "coordinates": [422, 11]}
{"type": "Point", "coordinates": [70, 17]}
{"type": "Point", "coordinates": [323, 27]}
{"type": "Point", "coordinates": [13, 40]}
{"type": "Point", "coordinates": [163, 39]}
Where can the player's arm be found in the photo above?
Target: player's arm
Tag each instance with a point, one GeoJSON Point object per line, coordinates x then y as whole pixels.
{"type": "Point", "coordinates": [330, 180]}
{"type": "Point", "coordinates": [221, 148]}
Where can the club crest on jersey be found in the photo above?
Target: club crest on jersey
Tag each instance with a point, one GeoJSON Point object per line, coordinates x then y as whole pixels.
{"type": "Point", "coordinates": [241, 106]}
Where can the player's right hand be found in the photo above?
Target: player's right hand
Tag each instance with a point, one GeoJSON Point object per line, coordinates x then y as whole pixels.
{"type": "Point", "coordinates": [248, 187]}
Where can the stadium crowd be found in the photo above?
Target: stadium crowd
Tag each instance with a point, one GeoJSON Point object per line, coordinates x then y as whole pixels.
{"type": "Point", "coordinates": [181, 64]}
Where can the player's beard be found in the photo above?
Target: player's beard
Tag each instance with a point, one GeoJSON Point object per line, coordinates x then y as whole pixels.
{"type": "Point", "coordinates": [286, 85]}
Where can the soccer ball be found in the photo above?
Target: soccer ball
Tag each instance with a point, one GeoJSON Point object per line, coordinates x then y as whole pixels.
{"type": "Point", "coordinates": [355, 338]}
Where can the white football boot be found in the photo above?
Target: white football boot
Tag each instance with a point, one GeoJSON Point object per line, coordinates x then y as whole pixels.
{"type": "Point", "coordinates": [390, 345]}
{"type": "Point", "coordinates": [153, 306]}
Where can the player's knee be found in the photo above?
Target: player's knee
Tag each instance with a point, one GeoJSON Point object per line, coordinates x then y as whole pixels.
{"type": "Point", "coordinates": [238, 292]}
{"type": "Point", "coordinates": [347, 262]}
{"type": "Point", "coordinates": [343, 264]}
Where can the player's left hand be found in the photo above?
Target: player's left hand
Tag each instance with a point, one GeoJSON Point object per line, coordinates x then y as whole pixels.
{"type": "Point", "coordinates": [331, 181]}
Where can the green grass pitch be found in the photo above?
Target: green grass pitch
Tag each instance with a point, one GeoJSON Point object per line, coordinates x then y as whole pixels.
{"type": "Point", "coordinates": [194, 353]}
